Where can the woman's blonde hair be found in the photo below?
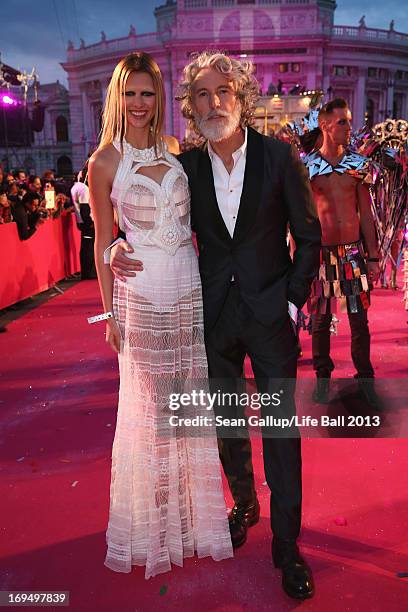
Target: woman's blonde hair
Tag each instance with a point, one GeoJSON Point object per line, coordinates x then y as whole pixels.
{"type": "Point", "coordinates": [240, 72]}
{"type": "Point", "coordinates": [114, 122]}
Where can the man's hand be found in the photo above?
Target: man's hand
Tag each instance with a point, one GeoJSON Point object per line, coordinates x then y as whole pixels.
{"type": "Point", "coordinates": [373, 270]}
{"type": "Point", "coordinates": [121, 265]}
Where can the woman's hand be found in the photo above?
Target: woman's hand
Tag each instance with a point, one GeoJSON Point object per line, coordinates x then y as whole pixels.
{"type": "Point", "coordinates": [113, 337]}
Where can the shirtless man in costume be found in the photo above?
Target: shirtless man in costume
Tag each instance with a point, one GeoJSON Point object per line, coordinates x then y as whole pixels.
{"type": "Point", "coordinates": [349, 256]}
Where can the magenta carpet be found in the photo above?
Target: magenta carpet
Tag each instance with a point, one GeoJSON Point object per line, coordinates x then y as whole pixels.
{"type": "Point", "coordinates": [57, 416]}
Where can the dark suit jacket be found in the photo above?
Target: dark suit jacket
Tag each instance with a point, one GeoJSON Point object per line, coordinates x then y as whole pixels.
{"type": "Point", "coordinates": [276, 192]}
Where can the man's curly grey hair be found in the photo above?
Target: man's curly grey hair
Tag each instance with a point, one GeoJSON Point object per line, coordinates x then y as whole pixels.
{"type": "Point", "coordinates": [240, 72]}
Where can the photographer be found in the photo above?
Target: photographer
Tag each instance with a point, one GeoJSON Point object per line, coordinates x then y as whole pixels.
{"type": "Point", "coordinates": [34, 184]}
{"type": "Point", "coordinates": [20, 176]}
{"type": "Point", "coordinates": [63, 206]}
{"type": "Point", "coordinates": [26, 215]}
{"type": "Point", "coordinates": [13, 193]}
{"type": "Point", "coordinates": [5, 209]}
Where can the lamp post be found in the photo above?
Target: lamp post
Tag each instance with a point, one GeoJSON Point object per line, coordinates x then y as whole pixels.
{"type": "Point", "coordinates": [4, 83]}
{"type": "Point", "coordinates": [27, 79]}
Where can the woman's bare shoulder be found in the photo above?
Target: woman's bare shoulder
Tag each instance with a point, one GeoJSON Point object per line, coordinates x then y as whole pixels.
{"type": "Point", "coordinates": [105, 159]}
{"type": "Point", "coordinates": [105, 156]}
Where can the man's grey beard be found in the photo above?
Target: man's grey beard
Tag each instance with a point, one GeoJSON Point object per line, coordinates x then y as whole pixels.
{"type": "Point", "coordinates": [222, 128]}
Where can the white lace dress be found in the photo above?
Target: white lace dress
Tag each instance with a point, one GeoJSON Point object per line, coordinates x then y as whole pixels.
{"type": "Point", "coordinates": [166, 498]}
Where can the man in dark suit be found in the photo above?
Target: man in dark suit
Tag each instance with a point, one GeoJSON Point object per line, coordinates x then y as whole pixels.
{"type": "Point", "coordinates": [245, 190]}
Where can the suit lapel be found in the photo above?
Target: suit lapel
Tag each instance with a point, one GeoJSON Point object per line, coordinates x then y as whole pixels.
{"type": "Point", "coordinates": [209, 211]}
{"type": "Point", "coordinates": [252, 187]}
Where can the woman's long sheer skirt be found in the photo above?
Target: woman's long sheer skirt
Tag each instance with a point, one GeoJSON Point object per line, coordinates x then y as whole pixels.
{"type": "Point", "coordinates": [166, 498]}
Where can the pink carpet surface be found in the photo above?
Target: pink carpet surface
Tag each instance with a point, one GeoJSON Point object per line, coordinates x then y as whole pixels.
{"type": "Point", "coordinates": [59, 384]}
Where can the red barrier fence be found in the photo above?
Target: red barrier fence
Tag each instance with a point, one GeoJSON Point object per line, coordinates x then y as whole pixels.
{"type": "Point", "coordinates": [30, 266]}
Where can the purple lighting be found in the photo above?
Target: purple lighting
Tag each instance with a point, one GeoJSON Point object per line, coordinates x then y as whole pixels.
{"type": "Point", "coordinates": [8, 100]}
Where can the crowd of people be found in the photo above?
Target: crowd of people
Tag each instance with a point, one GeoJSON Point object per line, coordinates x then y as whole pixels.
{"type": "Point", "coordinates": [29, 200]}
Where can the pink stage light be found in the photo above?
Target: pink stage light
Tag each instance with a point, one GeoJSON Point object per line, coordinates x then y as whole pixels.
{"type": "Point", "coordinates": [8, 100]}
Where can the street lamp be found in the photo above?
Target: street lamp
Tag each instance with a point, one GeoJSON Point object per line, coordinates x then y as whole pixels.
{"type": "Point", "coordinates": [5, 102]}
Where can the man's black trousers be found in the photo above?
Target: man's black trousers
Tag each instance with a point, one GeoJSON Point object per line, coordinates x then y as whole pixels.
{"type": "Point", "coordinates": [273, 354]}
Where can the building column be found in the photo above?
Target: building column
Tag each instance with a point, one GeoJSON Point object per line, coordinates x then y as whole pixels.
{"type": "Point", "coordinates": [178, 63]}
{"type": "Point", "coordinates": [360, 99]}
{"type": "Point", "coordinates": [169, 127]}
{"type": "Point", "coordinates": [310, 76]}
{"type": "Point", "coordinates": [314, 70]}
{"type": "Point", "coordinates": [389, 99]}
{"type": "Point", "coordinates": [77, 129]}
{"type": "Point", "coordinates": [382, 103]}
{"type": "Point", "coordinates": [86, 111]}
{"type": "Point", "coordinates": [404, 109]}
{"type": "Point", "coordinates": [104, 89]}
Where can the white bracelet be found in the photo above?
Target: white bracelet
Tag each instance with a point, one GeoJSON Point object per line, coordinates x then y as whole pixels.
{"type": "Point", "coordinates": [101, 317]}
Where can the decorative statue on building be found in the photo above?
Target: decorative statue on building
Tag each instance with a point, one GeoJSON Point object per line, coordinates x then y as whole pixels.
{"type": "Point", "coordinates": [132, 31]}
{"type": "Point", "coordinates": [103, 36]}
{"type": "Point", "coordinates": [271, 89]}
{"type": "Point", "coordinates": [362, 23]}
{"type": "Point", "coordinates": [70, 45]}
{"type": "Point", "coordinates": [392, 23]}
{"type": "Point", "coordinates": [82, 43]}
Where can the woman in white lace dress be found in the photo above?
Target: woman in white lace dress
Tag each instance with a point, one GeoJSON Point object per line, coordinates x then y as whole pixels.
{"type": "Point", "coordinates": [166, 499]}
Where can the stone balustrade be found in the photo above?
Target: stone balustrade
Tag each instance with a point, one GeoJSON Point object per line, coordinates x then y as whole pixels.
{"type": "Point", "coordinates": [125, 44]}
{"type": "Point", "coordinates": [369, 34]}
{"type": "Point", "coordinates": [144, 41]}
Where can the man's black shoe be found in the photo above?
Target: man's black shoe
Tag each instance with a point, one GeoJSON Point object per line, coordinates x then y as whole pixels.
{"type": "Point", "coordinates": [367, 390]}
{"type": "Point", "coordinates": [321, 391]}
{"type": "Point", "coordinates": [297, 578]}
{"type": "Point", "coordinates": [240, 518]}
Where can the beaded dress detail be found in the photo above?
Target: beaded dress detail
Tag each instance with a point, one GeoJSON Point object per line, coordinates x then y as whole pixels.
{"type": "Point", "coordinates": [166, 497]}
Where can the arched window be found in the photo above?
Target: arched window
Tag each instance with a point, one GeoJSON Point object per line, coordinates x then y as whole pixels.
{"type": "Point", "coordinates": [64, 166]}
{"type": "Point", "coordinates": [61, 128]}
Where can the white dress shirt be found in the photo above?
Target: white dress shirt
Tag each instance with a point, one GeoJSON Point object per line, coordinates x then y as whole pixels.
{"type": "Point", "coordinates": [79, 195]}
{"type": "Point", "coordinates": [228, 186]}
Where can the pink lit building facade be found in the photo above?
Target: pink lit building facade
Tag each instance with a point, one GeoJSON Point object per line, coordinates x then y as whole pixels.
{"type": "Point", "coordinates": [295, 41]}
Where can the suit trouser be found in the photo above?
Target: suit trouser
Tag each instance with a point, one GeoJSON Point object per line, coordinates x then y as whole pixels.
{"type": "Point", "coordinates": [273, 355]}
{"type": "Point", "coordinates": [360, 344]}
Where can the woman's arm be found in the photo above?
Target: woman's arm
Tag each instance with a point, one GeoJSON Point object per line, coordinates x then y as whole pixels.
{"type": "Point", "coordinates": [101, 172]}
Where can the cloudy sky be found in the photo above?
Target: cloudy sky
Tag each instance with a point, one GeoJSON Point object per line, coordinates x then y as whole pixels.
{"type": "Point", "coordinates": [36, 33]}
